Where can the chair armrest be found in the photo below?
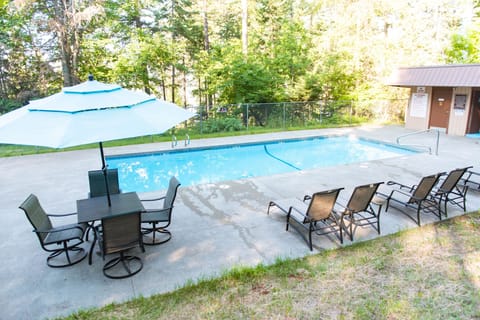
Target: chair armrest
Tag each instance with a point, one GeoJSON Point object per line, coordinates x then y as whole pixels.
{"type": "Point", "coordinates": [301, 213]}
{"type": "Point", "coordinates": [155, 210]}
{"type": "Point", "coordinates": [154, 199]}
{"type": "Point", "coordinates": [390, 183]}
{"type": "Point", "coordinates": [400, 191]}
{"type": "Point", "coordinates": [61, 215]}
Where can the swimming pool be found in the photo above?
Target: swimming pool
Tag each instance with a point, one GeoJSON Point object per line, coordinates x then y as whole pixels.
{"type": "Point", "coordinates": [151, 172]}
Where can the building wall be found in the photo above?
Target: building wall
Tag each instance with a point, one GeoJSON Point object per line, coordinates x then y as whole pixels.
{"type": "Point", "coordinates": [418, 119]}
{"type": "Point", "coordinates": [415, 118]}
{"type": "Point", "coordinates": [457, 124]}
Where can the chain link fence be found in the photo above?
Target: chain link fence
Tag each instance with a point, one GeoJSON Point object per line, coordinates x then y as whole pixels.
{"type": "Point", "coordinates": [283, 115]}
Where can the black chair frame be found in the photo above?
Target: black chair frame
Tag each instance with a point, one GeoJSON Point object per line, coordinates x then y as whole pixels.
{"type": "Point", "coordinates": [327, 224]}
{"type": "Point", "coordinates": [359, 211]}
{"type": "Point", "coordinates": [160, 218]}
{"type": "Point", "coordinates": [420, 198]}
{"type": "Point", "coordinates": [60, 240]}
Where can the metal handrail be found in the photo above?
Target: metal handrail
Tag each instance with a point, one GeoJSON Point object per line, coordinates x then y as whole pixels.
{"type": "Point", "coordinates": [187, 139]}
{"type": "Point", "coordinates": [437, 139]}
{"type": "Point", "coordinates": [174, 141]}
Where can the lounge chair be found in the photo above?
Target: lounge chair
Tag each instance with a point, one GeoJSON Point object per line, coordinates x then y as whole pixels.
{"type": "Point", "coordinates": [59, 240]}
{"type": "Point", "coordinates": [418, 197]}
{"type": "Point", "coordinates": [160, 218]}
{"type": "Point", "coordinates": [451, 190]}
{"type": "Point", "coordinates": [472, 180]}
{"type": "Point", "coordinates": [316, 216]}
{"type": "Point", "coordinates": [359, 211]}
{"type": "Point", "coordinates": [117, 235]}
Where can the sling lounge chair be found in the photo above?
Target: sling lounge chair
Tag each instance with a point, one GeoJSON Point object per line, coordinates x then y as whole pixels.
{"type": "Point", "coordinates": [159, 219]}
{"type": "Point", "coordinates": [315, 216]}
{"type": "Point", "coordinates": [452, 191]}
{"type": "Point", "coordinates": [359, 211]}
{"type": "Point", "coordinates": [418, 197]}
{"type": "Point", "coordinates": [63, 242]}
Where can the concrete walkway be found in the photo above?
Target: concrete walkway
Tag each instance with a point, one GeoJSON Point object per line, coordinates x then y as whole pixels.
{"type": "Point", "coordinates": [216, 226]}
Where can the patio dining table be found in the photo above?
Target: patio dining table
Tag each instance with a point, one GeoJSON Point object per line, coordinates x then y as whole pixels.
{"type": "Point", "coordinates": [95, 209]}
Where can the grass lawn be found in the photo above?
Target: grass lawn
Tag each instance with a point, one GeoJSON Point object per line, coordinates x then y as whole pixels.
{"type": "Point", "coordinates": [431, 272]}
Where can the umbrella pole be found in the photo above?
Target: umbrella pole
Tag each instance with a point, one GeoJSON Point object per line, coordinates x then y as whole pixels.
{"type": "Point", "coordinates": [104, 169]}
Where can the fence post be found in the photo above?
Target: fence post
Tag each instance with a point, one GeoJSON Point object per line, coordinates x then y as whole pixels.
{"type": "Point", "coordinates": [247, 116]}
{"type": "Point", "coordinates": [284, 117]}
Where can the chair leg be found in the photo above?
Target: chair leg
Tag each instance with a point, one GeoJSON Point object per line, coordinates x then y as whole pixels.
{"type": "Point", "coordinates": [66, 250]}
{"type": "Point", "coordinates": [126, 262]}
{"type": "Point", "coordinates": [154, 230]}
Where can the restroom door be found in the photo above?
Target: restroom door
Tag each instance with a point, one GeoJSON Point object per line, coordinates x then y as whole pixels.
{"type": "Point", "coordinates": [440, 108]}
{"type": "Point", "coordinates": [474, 123]}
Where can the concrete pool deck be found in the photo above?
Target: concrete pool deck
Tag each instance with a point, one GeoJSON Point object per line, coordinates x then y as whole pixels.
{"type": "Point", "coordinates": [215, 226]}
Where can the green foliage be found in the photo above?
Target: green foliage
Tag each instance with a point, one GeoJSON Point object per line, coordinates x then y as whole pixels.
{"type": "Point", "coordinates": [221, 125]}
{"type": "Point", "coordinates": [464, 48]}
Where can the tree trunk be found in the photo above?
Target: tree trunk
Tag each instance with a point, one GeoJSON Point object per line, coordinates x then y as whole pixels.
{"type": "Point", "coordinates": [245, 27]}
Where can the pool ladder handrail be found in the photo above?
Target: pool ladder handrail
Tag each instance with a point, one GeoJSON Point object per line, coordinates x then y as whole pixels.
{"type": "Point", "coordinates": [175, 141]}
{"type": "Point", "coordinates": [437, 139]}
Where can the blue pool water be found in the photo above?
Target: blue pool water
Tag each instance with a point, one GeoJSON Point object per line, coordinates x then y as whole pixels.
{"type": "Point", "coordinates": [150, 172]}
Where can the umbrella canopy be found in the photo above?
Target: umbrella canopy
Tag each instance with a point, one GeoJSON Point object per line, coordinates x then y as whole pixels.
{"type": "Point", "coordinates": [89, 112]}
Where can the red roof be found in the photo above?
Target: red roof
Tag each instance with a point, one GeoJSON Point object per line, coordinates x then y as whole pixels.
{"type": "Point", "coordinates": [464, 75]}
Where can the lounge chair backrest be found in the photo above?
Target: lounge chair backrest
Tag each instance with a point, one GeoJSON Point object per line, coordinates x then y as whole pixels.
{"type": "Point", "coordinates": [37, 216]}
{"type": "Point", "coordinates": [362, 196]}
{"type": "Point", "coordinates": [120, 233]}
{"type": "Point", "coordinates": [322, 203]}
{"type": "Point", "coordinates": [452, 179]}
{"type": "Point", "coordinates": [171, 193]}
{"type": "Point", "coordinates": [97, 182]}
{"type": "Point", "coordinates": [424, 188]}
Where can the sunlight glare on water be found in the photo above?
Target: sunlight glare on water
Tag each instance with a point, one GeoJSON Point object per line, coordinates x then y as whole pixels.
{"type": "Point", "coordinates": [151, 172]}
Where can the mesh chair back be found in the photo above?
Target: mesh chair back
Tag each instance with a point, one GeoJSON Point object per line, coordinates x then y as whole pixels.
{"type": "Point", "coordinates": [322, 203]}
{"type": "Point", "coordinates": [424, 188]}
{"type": "Point", "coordinates": [97, 182]}
{"type": "Point", "coordinates": [121, 233]}
{"type": "Point", "coordinates": [36, 215]}
{"type": "Point", "coordinates": [452, 179]}
{"type": "Point", "coordinates": [171, 193]}
{"type": "Point", "coordinates": [362, 196]}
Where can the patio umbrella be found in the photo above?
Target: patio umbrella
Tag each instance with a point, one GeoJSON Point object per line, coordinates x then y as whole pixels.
{"type": "Point", "coordinates": [86, 113]}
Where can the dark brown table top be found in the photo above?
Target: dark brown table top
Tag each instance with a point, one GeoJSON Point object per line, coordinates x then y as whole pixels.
{"type": "Point", "coordinates": [97, 208]}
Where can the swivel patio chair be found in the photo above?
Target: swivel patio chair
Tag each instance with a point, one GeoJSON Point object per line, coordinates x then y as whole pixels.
{"type": "Point", "coordinates": [359, 211]}
{"type": "Point", "coordinates": [452, 190]}
{"type": "Point", "coordinates": [418, 197]}
{"type": "Point", "coordinates": [316, 216]}
{"type": "Point", "coordinates": [118, 235]}
{"type": "Point", "coordinates": [160, 219]}
{"type": "Point", "coordinates": [63, 242]}
{"type": "Point", "coordinates": [96, 181]}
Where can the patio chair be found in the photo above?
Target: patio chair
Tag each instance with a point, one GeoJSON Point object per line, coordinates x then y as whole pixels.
{"type": "Point", "coordinates": [63, 242]}
{"type": "Point", "coordinates": [96, 182]}
{"type": "Point", "coordinates": [97, 185]}
{"type": "Point", "coordinates": [418, 197]}
{"type": "Point", "coordinates": [159, 219]}
{"type": "Point", "coordinates": [359, 210]}
{"type": "Point", "coordinates": [317, 216]}
{"type": "Point", "coordinates": [118, 235]}
{"type": "Point", "coordinates": [472, 180]}
{"type": "Point", "coordinates": [452, 191]}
